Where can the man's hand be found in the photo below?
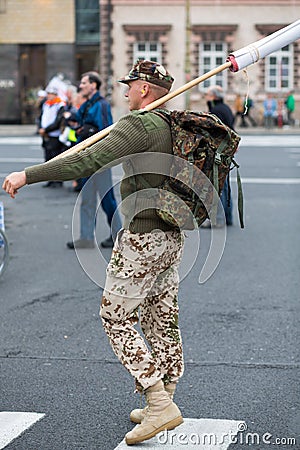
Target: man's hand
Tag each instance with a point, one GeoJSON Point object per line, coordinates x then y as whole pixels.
{"type": "Point", "coordinates": [13, 182]}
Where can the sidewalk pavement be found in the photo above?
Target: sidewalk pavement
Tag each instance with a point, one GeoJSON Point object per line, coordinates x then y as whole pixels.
{"type": "Point", "coordinates": [30, 130]}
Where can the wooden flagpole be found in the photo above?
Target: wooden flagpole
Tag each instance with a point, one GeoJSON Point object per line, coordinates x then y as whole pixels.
{"type": "Point", "coordinates": [103, 133]}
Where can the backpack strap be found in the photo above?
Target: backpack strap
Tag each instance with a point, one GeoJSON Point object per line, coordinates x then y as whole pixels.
{"type": "Point", "coordinates": [165, 115]}
{"type": "Point", "coordinates": [240, 195]}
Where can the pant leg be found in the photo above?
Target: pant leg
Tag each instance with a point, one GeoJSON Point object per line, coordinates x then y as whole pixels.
{"type": "Point", "coordinates": [226, 205]}
{"type": "Point", "coordinates": [52, 147]}
{"type": "Point", "coordinates": [159, 322]}
{"type": "Point", "coordinates": [88, 209]}
{"type": "Point", "coordinates": [46, 150]}
{"type": "Point", "coordinates": [136, 263]}
{"type": "Point", "coordinates": [226, 200]}
{"type": "Point", "coordinates": [103, 182]}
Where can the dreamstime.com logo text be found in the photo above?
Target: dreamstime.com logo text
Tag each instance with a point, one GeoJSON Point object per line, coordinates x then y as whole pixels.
{"type": "Point", "coordinates": [241, 436]}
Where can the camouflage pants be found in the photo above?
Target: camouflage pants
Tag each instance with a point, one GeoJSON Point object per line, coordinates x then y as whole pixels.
{"type": "Point", "coordinates": [142, 278]}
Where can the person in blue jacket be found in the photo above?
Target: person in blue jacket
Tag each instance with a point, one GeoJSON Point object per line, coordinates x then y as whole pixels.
{"type": "Point", "coordinates": [94, 115]}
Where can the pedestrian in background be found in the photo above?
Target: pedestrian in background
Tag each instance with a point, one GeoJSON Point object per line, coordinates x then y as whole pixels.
{"type": "Point", "coordinates": [67, 136]}
{"type": "Point", "coordinates": [239, 107]}
{"type": "Point", "coordinates": [216, 105]}
{"type": "Point", "coordinates": [248, 110]}
{"type": "Point", "coordinates": [94, 115]}
{"type": "Point", "coordinates": [270, 111]}
{"type": "Point", "coordinates": [70, 105]}
{"type": "Point", "coordinates": [142, 276]}
{"type": "Point", "coordinates": [50, 124]}
{"type": "Point", "coordinates": [290, 107]}
{"type": "Point", "coordinates": [41, 98]}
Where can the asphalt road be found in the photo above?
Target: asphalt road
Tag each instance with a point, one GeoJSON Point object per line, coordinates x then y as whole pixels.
{"type": "Point", "coordinates": [240, 329]}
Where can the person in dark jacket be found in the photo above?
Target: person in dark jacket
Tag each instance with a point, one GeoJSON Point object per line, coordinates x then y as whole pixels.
{"type": "Point", "coordinates": [216, 105]}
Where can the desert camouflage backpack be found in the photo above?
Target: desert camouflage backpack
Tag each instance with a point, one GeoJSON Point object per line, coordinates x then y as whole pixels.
{"type": "Point", "coordinates": [204, 148]}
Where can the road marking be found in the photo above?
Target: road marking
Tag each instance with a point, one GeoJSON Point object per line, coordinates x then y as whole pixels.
{"type": "Point", "coordinates": [22, 160]}
{"type": "Point", "coordinates": [12, 424]}
{"type": "Point", "coordinates": [270, 141]}
{"type": "Point", "coordinates": [274, 140]}
{"type": "Point", "coordinates": [207, 434]}
{"type": "Point", "coordinates": [271, 180]}
{"type": "Point", "coordinates": [20, 140]}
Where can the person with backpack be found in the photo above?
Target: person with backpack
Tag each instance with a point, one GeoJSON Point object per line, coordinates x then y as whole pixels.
{"type": "Point", "coordinates": [95, 115]}
{"type": "Point", "coordinates": [142, 275]}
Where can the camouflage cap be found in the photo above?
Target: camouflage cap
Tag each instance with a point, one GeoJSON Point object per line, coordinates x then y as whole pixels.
{"type": "Point", "coordinates": [150, 71]}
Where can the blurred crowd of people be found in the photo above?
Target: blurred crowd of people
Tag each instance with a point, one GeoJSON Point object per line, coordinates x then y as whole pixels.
{"type": "Point", "coordinates": [67, 116]}
{"type": "Point", "coordinates": [275, 112]}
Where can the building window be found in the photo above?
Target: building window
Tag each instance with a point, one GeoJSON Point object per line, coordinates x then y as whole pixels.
{"type": "Point", "coordinates": [147, 42]}
{"type": "Point", "coordinates": [279, 70]}
{"type": "Point", "coordinates": [212, 55]}
{"type": "Point", "coordinates": [87, 22]}
{"type": "Point", "coordinates": [147, 50]}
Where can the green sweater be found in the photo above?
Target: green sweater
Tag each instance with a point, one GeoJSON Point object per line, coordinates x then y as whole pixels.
{"type": "Point", "coordinates": [129, 142]}
{"type": "Point", "coordinates": [290, 103]}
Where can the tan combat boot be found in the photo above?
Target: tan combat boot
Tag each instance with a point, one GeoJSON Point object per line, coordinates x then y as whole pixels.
{"type": "Point", "coordinates": [162, 414]}
{"type": "Point", "coordinates": [137, 415]}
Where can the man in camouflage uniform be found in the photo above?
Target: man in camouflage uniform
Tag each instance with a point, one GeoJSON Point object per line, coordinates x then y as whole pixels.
{"type": "Point", "coordinates": [142, 275]}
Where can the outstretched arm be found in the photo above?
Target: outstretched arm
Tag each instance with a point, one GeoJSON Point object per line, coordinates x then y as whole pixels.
{"type": "Point", "coordinates": [127, 138]}
{"type": "Point", "coordinates": [13, 182]}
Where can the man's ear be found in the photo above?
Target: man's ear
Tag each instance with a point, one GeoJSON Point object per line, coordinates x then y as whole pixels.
{"type": "Point", "coordinates": [144, 89]}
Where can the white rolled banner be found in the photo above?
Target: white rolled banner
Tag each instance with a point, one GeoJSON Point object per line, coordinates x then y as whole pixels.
{"type": "Point", "coordinates": [260, 49]}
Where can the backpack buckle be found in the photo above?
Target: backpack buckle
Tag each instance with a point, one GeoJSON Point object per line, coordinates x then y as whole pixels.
{"type": "Point", "coordinates": [218, 159]}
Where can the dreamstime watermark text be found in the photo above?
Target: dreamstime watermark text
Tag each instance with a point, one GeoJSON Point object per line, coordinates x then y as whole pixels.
{"type": "Point", "coordinates": [241, 436]}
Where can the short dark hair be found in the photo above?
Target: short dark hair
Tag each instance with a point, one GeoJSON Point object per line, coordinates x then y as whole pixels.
{"type": "Point", "coordinates": [94, 77]}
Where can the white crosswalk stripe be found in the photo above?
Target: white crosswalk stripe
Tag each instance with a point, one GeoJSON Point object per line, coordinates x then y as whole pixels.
{"type": "Point", "coordinates": [270, 141]}
{"type": "Point", "coordinates": [270, 180]}
{"type": "Point", "coordinates": [280, 140]}
{"type": "Point", "coordinates": [12, 424]}
{"type": "Point", "coordinates": [21, 160]}
{"type": "Point", "coordinates": [16, 140]}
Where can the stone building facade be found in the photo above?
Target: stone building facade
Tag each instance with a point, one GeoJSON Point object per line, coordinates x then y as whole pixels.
{"type": "Point", "coordinates": [192, 37]}
{"type": "Point", "coordinates": [40, 38]}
